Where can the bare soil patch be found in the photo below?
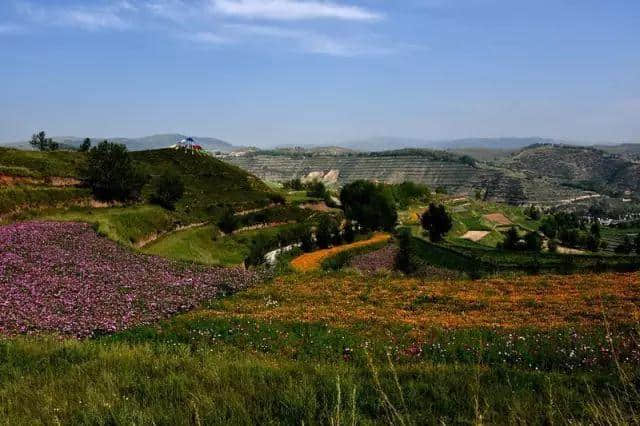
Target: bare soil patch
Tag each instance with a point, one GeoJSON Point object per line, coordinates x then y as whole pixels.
{"type": "Point", "coordinates": [498, 218]}
{"type": "Point", "coordinates": [475, 235]}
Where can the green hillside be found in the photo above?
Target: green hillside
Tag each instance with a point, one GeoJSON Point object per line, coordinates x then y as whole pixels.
{"type": "Point", "coordinates": [28, 192]}
{"type": "Point", "coordinates": [210, 184]}
{"type": "Point", "coordinates": [15, 162]}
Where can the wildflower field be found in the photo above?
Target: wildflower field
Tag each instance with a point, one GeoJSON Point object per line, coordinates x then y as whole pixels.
{"type": "Point", "coordinates": [64, 278]}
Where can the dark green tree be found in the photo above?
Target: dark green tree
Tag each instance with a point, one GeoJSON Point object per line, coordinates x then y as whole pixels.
{"type": "Point", "coordinates": [436, 221]}
{"type": "Point", "coordinates": [533, 241]}
{"type": "Point", "coordinates": [228, 221]}
{"type": "Point", "coordinates": [317, 190]}
{"type": "Point", "coordinates": [511, 239]}
{"type": "Point", "coordinates": [371, 206]}
{"type": "Point", "coordinates": [168, 189]}
{"type": "Point", "coordinates": [306, 242]}
{"type": "Point", "coordinates": [592, 242]}
{"type": "Point", "coordinates": [595, 229]}
{"type": "Point", "coordinates": [326, 230]}
{"type": "Point", "coordinates": [111, 173]}
{"type": "Point", "coordinates": [349, 232]}
{"type": "Point", "coordinates": [403, 260]}
{"type": "Point", "coordinates": [41, 142]}
{"type": "Point", "coordinates": [636, 243]}
{"type": "Point", "coordinates": [86, 145]}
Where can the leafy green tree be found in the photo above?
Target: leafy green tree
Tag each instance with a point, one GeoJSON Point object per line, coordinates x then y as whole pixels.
{"type": "Point", "coordinates": [511, 239]}
{"type": "Point", "coordinates": [317, 190]}
{"type": "Point", "coordinates": [403, 260]}
{"type": "Point", "coordinates": [371, 206]}
{"type": "Point", "coordinates": [595, 229]}
{"type": "Point", "coordinates": [228, 221]}
{"type": "Point", "coordinates": [168, 189]}
{"type": "Point", "coordinates": [636, 243]}
{"type": "Point", "coordinates": [327, 228]}
{"type": "Point", "coordinates": [593, 242]}
{"type": "Point", "coordinates": [306, 242]}
{"type": "Point", "coordinates": [533, 241]}
{"type": "Point", "coordinates": [86, 145]}
{"type": "Point", "coordinates": [111, 173]}
{"type": "Point", "coordinates": [410, 192]}
{"type": "Point", "coordinates": [41, 142]}
{"type": "Point", "coordinates": [436, 221]}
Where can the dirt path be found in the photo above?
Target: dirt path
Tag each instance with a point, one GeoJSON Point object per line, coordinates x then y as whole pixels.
{"type": "Point", "coordinates": [311, 261]}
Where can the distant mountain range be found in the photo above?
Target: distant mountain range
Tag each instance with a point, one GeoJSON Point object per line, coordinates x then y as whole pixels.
{"type": "Point", "coordinates": [502, 143]}
{"type": "Point", "coordinates": [477, 145]}
{"type": "Point", "coordinates": [140, 144]}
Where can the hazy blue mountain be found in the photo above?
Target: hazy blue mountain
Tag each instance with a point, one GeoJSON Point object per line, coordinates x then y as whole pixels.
{"type": "Point", "coordinates": [389, 143]}
{"type": "Point", "coordinates": [139, 144]}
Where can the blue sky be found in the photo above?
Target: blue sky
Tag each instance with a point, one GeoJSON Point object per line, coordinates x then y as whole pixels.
{"type": "Point", "coordinates": [265, 72]}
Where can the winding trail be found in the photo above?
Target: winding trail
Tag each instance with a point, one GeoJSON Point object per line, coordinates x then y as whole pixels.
{"type": "Point", "coordinates": [313, 260]}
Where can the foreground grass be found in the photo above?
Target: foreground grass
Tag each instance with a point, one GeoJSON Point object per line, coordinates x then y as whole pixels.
{"type": "Point", "coordinates": [345, 348]}
{"type": "Point", "coordinates": [161, 380]}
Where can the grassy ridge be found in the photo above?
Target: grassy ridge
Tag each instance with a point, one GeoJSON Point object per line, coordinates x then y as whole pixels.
{"type": "Point", "coordinates": [24, 197]}
{"type": "Point", "coordinates": [210, 184]}
{"type": "Point", "coordinates": [127, 225]}
{"type": "Point", "coordinates": [41, 164]}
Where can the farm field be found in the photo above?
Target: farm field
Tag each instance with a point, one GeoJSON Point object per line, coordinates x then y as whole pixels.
{"type": "Point", "coordinates": [311, 261]}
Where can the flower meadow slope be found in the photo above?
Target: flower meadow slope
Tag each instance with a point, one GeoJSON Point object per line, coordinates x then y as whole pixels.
{"type": "Point", "coordinates": [64, 278]}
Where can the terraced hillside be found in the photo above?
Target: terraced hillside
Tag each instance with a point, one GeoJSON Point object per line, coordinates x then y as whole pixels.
{"type": "Point", "coordinates": [454, 176]}
{"type": "Point", "coordinates": [576, 164]}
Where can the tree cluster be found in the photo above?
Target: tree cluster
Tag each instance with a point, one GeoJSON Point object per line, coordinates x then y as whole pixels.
{"type": "Point", "coordinates": [41, 142]}
{"type": "Point", "coordinates": [370, 205]}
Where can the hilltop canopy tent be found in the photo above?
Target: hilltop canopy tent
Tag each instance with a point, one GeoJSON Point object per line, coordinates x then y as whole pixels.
{"type": "Point", "coordinates": [188, 143]}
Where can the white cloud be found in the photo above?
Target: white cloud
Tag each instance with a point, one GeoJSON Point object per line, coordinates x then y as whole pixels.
{"type": "Point", "coordinates": [309, 41]}
{"type": "Point", "coordinates": [288, 10]}
{"type": "Point", "coordinates": [93, 19]}
{"type": "Point", "coordinates": [208, 38]}
{"type": "Point", "coordinates": [106, 16]}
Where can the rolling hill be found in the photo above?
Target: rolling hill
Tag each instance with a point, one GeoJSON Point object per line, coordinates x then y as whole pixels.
{"type": "Point", "coordinates": [139, 144]}
{"type": "Point", "coordinates": [585, 166]}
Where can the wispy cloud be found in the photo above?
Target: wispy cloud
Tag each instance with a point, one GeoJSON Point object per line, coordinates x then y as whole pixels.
{"type": "Point", "coordinates": [207, 37]}
{"type": "Point", "coordinates": [8, 28]}
{"type": "Point", "coordinates": [217, 22]}
{"type": "Point", "coordinates": [309, 41]}
{"type": "Point", "coordinates": [290, 10]}
{"type": "Point", "coordinates": [109, 15]}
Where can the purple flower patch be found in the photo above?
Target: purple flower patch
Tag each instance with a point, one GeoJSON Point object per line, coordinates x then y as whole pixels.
{"type": "Point", "coordinates": [64, 278]}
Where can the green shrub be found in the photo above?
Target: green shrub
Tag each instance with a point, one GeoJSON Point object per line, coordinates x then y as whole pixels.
{"type": "Point", "coordinates": [168, 189]}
